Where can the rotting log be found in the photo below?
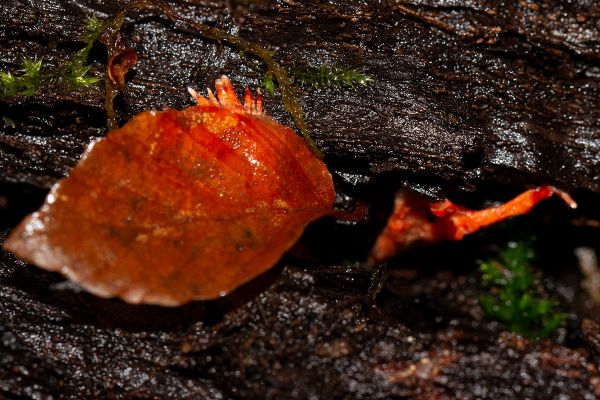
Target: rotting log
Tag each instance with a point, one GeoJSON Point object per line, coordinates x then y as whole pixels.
{"type": "Point", "coordinates": [467, 96]}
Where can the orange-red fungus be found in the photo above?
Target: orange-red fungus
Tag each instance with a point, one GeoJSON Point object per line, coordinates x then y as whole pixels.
{"type": "Point", "coordinates": [179, 205]}
{"type": "Point", "coordinates": [414, 219]}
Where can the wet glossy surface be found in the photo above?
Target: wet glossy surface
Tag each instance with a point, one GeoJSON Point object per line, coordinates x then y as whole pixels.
{"type": "Point", "coordinates": [179, 205]}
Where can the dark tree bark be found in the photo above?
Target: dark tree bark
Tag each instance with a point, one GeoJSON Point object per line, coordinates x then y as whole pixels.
{"type": "Point", "coordinates": [465, 93]}
{"type": "Point", "coordinates": [468, 97]}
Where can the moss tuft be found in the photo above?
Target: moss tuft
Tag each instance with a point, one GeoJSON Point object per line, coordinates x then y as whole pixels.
{"type": "Point", "coordinates": [24, 83]}
{"type": "Point", "coordinates": [515, 295]}
{"type": "Point", "coordinates": [74, 73]}
{"type": "Point", "coordinates": [328, 76]}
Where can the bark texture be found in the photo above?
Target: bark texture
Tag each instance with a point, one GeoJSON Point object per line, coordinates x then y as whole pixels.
{"type": "Point", "coordinates": [468, 96]}
{"type": "Point", "coordinates": [465, 93]}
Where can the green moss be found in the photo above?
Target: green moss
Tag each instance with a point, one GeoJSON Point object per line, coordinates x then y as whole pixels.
{"type": "Point", "coordinates": [269, 84]}
{"type": "Point", "coordinates": [94, 28]}
{"type": "Point", "coordinates": [24, 83]}
{"type": "Point", "coordinates": [74, 73]}
{"type": "Point", "coordinates": [319, 78]}
{"type": "Point", "coordinates": [328, 76]}
{"type": "Point", "coordinates": [515, 295]}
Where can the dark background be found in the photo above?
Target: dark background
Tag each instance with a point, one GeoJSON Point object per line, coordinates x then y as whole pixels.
{"type": "Point", "coordinates": [475, 100]}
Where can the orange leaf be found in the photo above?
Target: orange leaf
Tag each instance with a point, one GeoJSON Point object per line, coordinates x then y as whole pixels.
{"type": "Point", "coordinates": [415, 220]}
{"type": "Point", "coordinates": [179, 205]}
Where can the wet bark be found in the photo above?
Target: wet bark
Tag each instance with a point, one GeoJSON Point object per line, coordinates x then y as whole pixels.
{"type": "Point", "coordinates": [468, 97]}
{"type": "Point", "coordinates": [465, 93]}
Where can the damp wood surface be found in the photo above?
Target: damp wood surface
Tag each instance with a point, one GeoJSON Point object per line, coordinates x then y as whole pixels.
{"type": "Point", "coordinates": [506, 93]}
{"type": "Point", "coordinates": [470, 98]}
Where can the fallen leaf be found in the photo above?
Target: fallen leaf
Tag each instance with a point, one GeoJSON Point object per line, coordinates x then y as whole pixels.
{"type": "Point", "coordinates": [416, 220]}
{"type": "Point", "coordinates": [179, 205]}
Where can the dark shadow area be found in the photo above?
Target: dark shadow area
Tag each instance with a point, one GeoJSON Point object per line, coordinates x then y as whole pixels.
{"type": "Point", "coordinates": [17, 201]}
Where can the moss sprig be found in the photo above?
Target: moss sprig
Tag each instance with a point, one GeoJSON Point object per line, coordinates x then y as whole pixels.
{"type": "Point", "coordinates": [74, 73]}
{"type": "Point", "coordinates": [94, 28]}
{"type": "Point", "coordinates": [24, 83]}
{"type": "Point", "coordinates": [268, 83]}
{"type": "Point", "coordinates": [327, 76]}
{"type": "Point", "coordinates": [515, 295]}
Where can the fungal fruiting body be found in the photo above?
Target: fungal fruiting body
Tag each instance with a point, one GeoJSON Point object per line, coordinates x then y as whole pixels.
{"type": "Point", "coordinates": [416, 220]}
{"type": "Point", "coordinates": [179, 205]}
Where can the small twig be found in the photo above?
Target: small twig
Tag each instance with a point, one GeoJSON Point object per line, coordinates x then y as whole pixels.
{"type": "Point", "coordinates": [290, 100]}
